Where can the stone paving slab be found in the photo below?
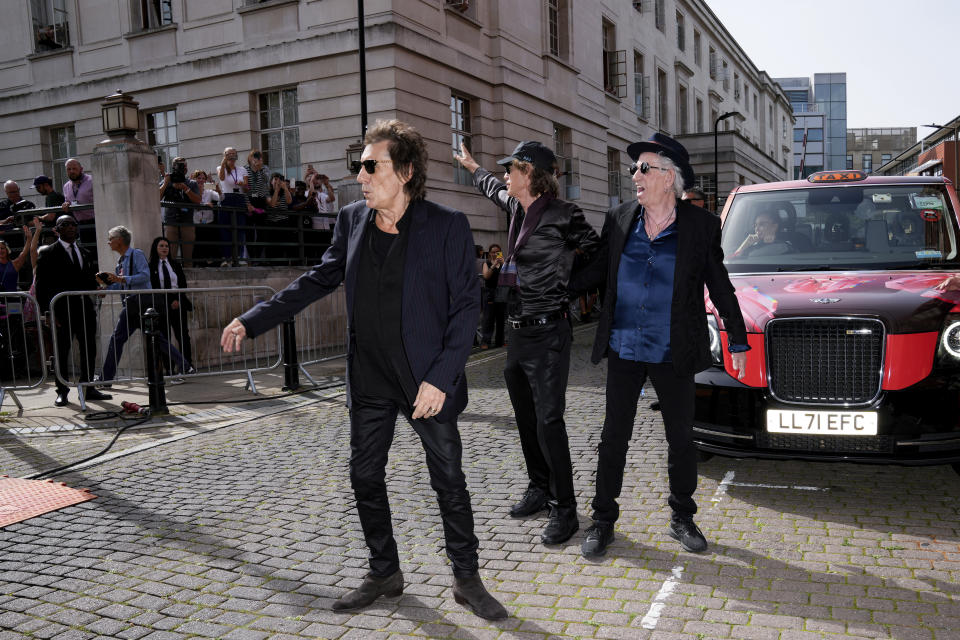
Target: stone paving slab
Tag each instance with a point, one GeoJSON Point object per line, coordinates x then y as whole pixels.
{"type": "Point", "coordinates": [248, 532]}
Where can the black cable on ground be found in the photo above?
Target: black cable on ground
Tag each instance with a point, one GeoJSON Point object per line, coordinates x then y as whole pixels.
{"type": "Point", "coordinates": [98, 415]}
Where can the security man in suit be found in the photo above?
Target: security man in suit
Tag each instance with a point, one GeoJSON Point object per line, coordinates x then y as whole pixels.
{"type": "Point", "coordinates": [66, 266]}
{"type": "Point", "coordinates": [413, 306]}
{"type": "Point", "coordinates": [657, 254]}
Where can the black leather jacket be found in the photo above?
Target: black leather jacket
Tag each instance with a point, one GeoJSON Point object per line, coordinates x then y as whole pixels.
{"type": "Point", "coordinates": [545, 262]}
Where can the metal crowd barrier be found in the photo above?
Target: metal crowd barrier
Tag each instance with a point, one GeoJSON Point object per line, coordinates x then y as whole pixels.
{"type": "Point", "coordinates": [321, 330]}
{"type": "Point", "coordinates": [22, 353]}
{"type": "Point", "coordinates": [212, 309]}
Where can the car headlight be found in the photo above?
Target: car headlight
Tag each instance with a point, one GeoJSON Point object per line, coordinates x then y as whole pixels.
{"type": "Point", "coordinates": [950, 338]}
{"type": "Point", "coordinates": [714, 332]}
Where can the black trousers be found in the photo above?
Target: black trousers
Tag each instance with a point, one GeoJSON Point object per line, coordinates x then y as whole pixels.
{"type": "Point", "coordinates": [75, 319]}
{"type": "Point", "coordinates": [538, 366]}
{"type": "Point", "coordinates": [494, 314]}
{"type": "Point", "coordinates": [372, 422]}
{"type": "Point", "coordinates": [179, 325]}
{"type": "Point", "coordinates": [625, 378]}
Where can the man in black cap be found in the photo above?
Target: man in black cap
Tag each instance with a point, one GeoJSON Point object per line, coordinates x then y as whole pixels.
{"type": "Point", "coordinates": [52, 198]}
{"type": "Point", "coordinates": [544, 234]}
{"type": "Point", "coordinates": [657, 254]}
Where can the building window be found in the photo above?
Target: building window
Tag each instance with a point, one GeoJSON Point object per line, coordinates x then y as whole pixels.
{"type": "Point", "coordinates": [681, 33]}
{"type": "Point", "coordinates": [700, 128]}
{"type": "Point", "coordinates": [660, 14]}
{"type": "Point", "coordinates": [558, 14]}
{"type": "Point", "coordinates": [849, 161]}
{"type": "Point", "coordinates": [153, 14]}
{"type": "Point", "coordinates": [770, 116]}
{"type": "Point", "coordinates": [614, 63]}
{"type": "Point", "coordinates": [783, 127]}
{"type": "Point", "coordinates": [662, 100]}
{"type": "Point", "coordinates": [885, 158]}
{"type": "Point", "coordinates": [736, 85]}
{"type": "Point", "coordinates": [641, 88]}
{"type": "Point", "coordinates": [460, 131]}
{"type": "Point", "coordinates": [867, 162]}
{"type": "Point", "coordinates": [50, 27]}
{"type": "Point", "coordinates": [465, 7]}
{"type": "Point", "coordinates": [725, 76]}
{"type": "Point", "coordinates": [63, 146]}
{"type": "Point", "coordinates": [697, 54]}
{"type": "Point", "coordinates": [613, 176]}
{"type": "Point", "coordinates": [280, 132]}
{"type": "Point", "coordinates": [567, 166]}
{"type": "Point", "coordinates": [162, 135]}
{"type": "Point", "coordinates": [713, 63]}
{"type": "Point", "coordinates": [682, 108]}
{"type": "Point", "coordinates": [755, 107]}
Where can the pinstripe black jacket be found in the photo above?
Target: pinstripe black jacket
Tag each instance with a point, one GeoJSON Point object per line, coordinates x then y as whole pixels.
{"type": "Point", "coordinates": [440, 298]}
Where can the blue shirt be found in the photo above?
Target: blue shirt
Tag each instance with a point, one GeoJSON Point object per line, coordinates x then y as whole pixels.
{"type": "Point", "coordinates": [136, 272]}
{"type": "Point", "coordinates": [641, 317]}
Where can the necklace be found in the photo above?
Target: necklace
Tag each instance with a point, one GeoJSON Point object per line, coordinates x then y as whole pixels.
{"type": "Point", "coordinates": [654, 230]}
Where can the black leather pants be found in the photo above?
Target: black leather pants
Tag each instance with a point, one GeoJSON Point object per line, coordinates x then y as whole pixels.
{"type": "Point", "coordinates": [538, 366]}
{"type": "Point", "coordinates": [372, 423]}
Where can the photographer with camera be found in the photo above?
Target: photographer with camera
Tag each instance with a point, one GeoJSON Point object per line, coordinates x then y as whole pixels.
{"type": "Point", "coordinates": [178, 222]}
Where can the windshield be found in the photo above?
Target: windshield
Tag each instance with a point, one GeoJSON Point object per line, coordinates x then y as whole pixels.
{"type": "Point", "coordinates": [869, 227]}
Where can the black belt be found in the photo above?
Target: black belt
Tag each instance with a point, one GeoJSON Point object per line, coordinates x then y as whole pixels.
{"type": "Point", "coordinates": [535, 321]}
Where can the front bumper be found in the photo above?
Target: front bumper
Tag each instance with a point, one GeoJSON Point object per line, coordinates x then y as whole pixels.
{"type": "Point", "coordinates": [919, 425]}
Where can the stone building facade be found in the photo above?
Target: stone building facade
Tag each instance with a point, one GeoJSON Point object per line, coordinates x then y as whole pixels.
{"type": "Point", "coordinates": [869, 149]}
{"type": "Point", "coordinates": [586, 78]}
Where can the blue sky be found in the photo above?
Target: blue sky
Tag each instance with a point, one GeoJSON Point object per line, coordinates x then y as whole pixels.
{"type": "Point", "coordinates": [901, 58]}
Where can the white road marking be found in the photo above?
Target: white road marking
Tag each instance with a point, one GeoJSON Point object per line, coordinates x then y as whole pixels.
{"type": "Point", "coordinates": [797, 487]}
{"type": "Point", "coordinates": [722, 487]}
{"type": "Point", "coordinates": [659, 601]}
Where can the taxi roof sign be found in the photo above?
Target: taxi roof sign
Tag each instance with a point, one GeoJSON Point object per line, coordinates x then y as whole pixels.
{"type": "Point", "coordinates": [837, 176]}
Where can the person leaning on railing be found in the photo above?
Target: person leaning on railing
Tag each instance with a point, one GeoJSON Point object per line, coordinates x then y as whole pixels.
{"type": "Point", "coordinates": [206, 237]}
{"type": "Point", "coordinates": [233, 182]}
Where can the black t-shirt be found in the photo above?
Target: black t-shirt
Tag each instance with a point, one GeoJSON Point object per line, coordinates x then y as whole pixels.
{"type": "Point", "coordinates": [380, 368]}
{"type": "Point", "coordinates": [491, 282]}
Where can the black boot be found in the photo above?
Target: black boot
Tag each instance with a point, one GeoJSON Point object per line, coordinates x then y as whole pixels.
{"type": "Point", "coordinates": [471, 593]}
{"type": "Point", "coordinates": [683, 530]}
{"type": "Point", "coordinates": [533, 500]}
{"type": "Point", "coordinates": [563, 524]}
{"type": "Point", "coordinates": [369, 590]}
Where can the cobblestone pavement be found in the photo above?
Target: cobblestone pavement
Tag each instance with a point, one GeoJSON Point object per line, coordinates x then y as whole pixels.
{"type": "Point", "coordinates": [247, 532]}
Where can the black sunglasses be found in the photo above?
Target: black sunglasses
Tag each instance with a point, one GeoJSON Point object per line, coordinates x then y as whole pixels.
{"type": "Point", "coordinates": [644, 168]}
{"type": "Point", "coordinates": [370, 166]}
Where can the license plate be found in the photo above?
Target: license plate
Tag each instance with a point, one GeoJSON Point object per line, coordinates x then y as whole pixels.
{"type": "Point", "coordinates": [838, 423]}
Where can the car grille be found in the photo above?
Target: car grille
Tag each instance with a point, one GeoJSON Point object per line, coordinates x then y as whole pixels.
{"type": "Point", "coordinates": [825, 360]}
{"type": "Point", "coordinates": [840, 444]}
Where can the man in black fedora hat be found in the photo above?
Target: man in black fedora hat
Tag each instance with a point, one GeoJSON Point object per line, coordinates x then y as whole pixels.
{"type": "Point", "coordinates": [657, 253]}
{"type": "Point", "coordinates": [544, 234]}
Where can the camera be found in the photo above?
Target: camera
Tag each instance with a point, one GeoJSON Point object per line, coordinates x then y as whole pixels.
{"type": "Point", "coordinates": [103, 277]}
{"type": "Point", "coordinates": [179, 173]}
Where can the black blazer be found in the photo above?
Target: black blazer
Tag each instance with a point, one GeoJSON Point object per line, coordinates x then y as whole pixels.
{"type": "Point", "coordinates": [440, 298]}
{"type": "Point", "coordinates": [699, 263]}
{"type": "Point", "coordinates": [155, 283]}
{"type": "Point", "coordinates": [57, 273]}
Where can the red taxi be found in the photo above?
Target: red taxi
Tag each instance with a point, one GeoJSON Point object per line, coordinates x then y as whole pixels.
{"type": "Point", "coordinates": [850, 289]}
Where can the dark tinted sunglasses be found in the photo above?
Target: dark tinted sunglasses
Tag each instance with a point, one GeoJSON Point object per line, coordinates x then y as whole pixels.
{"type": "Point", "coordinates": [644, 168]}
{"type": "Point", "coordinates": [370, 166]}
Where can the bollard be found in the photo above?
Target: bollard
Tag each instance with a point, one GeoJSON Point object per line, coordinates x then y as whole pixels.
{"type": "Point", "coordinates": [158, 397]}
{"type": "Point", "coordinates": [291, 369]}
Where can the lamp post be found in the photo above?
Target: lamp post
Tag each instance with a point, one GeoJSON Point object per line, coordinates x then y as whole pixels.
{"type": "Point", "coordinates": [956, 152]}
{"type": "Point", "coordinates": [716, 152]}
{"type": "Point", "coordinates": [355, 150]}
{"type": "Point", "coordinates": [120, 115]}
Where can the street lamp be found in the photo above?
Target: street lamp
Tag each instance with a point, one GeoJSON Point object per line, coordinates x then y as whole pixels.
{"type": "Point", "coordinates": [716, 182]}
{"type": "Point", "coordinates": [956, 153]}
{"type": "Point", "coordinates": [355, 150]}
